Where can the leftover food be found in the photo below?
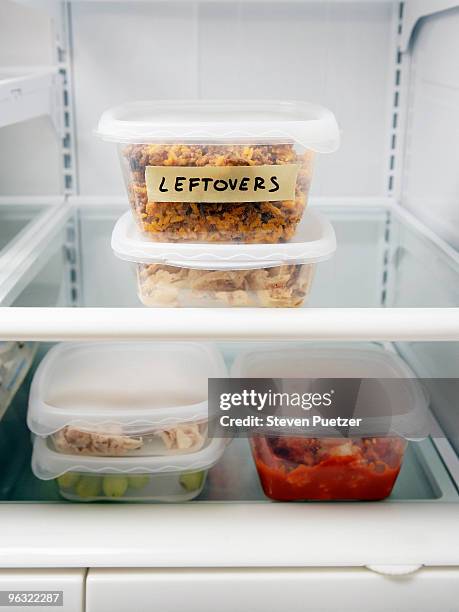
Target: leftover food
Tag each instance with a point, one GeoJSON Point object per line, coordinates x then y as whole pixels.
{"type": "Point", "coordinates": [295, 468]}
{"type": "Point", "coordinates": [91, 485]}
{"type": "Point", "coordinates": [192, 480]}
{"type": "Point", "coordinates": [73, 440]}
{"type": "Point", "coordinates": [267, 221]}
{"type": "Point", "coordinates": [284, 286]}
{"type": "Point", "coordinates": [88, 487]}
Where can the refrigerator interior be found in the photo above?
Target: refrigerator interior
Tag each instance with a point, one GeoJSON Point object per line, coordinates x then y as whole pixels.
{"type": "Point", "coordinates": [426, 474]}
{"type": "Point", "coordinates": [389, 71]}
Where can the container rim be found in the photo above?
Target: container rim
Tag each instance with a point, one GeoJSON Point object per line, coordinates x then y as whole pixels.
{"type": "Point", "coordinates": [48, 463]}
{"type": "Point", "coordinates": [410, 426]}
{"type": "Point", "coordinates": [315, 241]}
{"type": "Point", "coordinates": [44, 419]}
{"type": "Point", "coordinates": [195, 121]}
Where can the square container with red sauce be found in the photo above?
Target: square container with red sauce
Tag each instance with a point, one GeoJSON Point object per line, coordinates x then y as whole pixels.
{"type": "Point", "coordinates": [306, 468]}
{"type": "Point", "coordinates": [293, 468]}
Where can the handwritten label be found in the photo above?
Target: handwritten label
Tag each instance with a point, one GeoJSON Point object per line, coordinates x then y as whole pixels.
{"type": "Point", "coordinates": [221, 183]}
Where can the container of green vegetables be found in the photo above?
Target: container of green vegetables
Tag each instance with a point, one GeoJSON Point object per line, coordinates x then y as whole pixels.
{"type": "Point", "coordinates": [155, 479]}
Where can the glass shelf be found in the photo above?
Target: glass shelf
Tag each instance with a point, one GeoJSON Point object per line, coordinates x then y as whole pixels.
{"type": "Point", "coordinates": [386, 280]}
{"type": "Point", "coordinates": [381, 261]}
{"type": "Point", "coordinates": [15, 220]}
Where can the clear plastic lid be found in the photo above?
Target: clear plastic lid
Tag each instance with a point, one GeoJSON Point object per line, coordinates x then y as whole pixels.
{"type": "Point", "coordinates": [314, 241]}
{"type": "Point", "coordinates": [137, 386]}
{"type": "Point", "coordinates": [405, 404]}
{"type": "Point", "coordinates": [48, 463]}
{"type": "Point", "coordinates": [222, 121]}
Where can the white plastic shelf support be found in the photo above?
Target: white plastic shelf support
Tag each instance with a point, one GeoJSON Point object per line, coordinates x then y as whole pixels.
{"type": "Point", "coordinates": [350, 324]}
{"type": "Point", "coordinates": [28, 92]}
{"type": "Point", "coordinates": [381, 535]}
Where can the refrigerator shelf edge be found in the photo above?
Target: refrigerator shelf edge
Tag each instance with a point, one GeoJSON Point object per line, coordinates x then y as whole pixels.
{"type": "Point", "coordinates": [229, 535]}
{"type": "Point", "coordinates": [378, 324]}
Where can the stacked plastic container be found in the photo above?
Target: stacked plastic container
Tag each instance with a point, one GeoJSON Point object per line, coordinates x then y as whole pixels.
{"type": "Point", "coordinates": [124, 421]}
{"type": "Point", "coordinates": [328, 466]}
{"type": "Point", "coordinates": [218, 192]}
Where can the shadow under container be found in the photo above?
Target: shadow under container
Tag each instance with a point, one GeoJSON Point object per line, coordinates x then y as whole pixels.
{"type": "Point", "coordinates": [118, 399]}
{"type": "Point", "coordinates": [302, 466]}
{"type": "Point", "coordinates": [226, 275]}
{"type": "Point", "coordinates": [177, 478]}
{"type": "Point", "coordinates": [219, 171]}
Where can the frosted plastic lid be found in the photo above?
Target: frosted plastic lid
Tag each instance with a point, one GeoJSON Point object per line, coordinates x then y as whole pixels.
{"type": "Point", "coordinates": [228, 121]}
{"type": "Point", "coordinates": [48, 463]}
{"type": "Point", "coordinates": [138, 386]}
{"type": "Point", "coordinates": [410, 421]}
{"type": "Point", "coordinates": [314, 241]}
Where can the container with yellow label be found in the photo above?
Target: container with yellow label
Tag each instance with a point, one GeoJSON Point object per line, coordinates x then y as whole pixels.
{"type": "Point", "coordinates": [219, 171]}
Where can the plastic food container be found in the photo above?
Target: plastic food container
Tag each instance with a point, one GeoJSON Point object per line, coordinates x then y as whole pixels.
{"type": "Point", "coordinates": [227, 275]}
{"type": "Point", "coordinates": [163, 479]}
{"type": "Point", "coordinates": [219, 171]}
{"type": "Point", "coordinates": [295, 468]}
{"type": "Point", "coordinates": [123, 399]}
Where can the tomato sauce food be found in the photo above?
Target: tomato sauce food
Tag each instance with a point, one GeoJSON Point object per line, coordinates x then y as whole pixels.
{"type": "Point", "coordinates": [328, 468]}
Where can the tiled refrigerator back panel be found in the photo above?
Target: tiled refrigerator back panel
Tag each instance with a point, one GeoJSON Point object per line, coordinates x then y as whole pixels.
{"type": "Point", "coordinates": [338, 54]}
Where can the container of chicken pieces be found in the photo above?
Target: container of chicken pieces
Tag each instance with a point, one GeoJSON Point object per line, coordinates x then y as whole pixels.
{"type": "Point", "coordinates": [124, 399]}
{"type": "Point", "coordinates": [226, 275]}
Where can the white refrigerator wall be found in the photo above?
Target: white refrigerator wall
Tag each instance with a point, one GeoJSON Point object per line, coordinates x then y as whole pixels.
{"type": "Point", "coordinates": [341, 54]}
{"type": "Point", "coordinates": [431, 181]}
{"type": "Point", "coordinates": [29, 151]}
{"type": "Point", "coordinates": [336, 54]}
